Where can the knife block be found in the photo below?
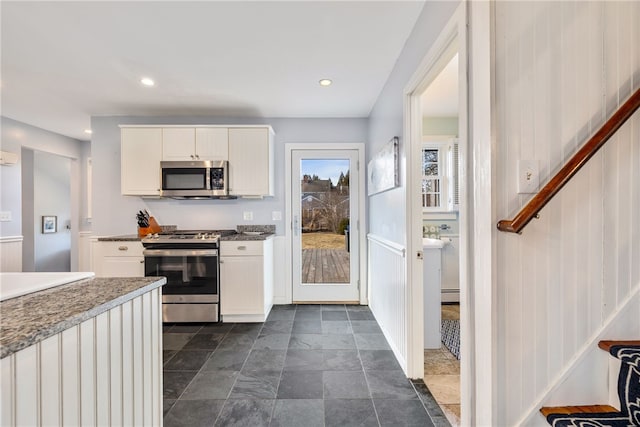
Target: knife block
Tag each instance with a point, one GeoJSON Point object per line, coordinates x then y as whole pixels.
{"type": "Point", "coordinates": [153, 227]}
{"type": "Point", "coordinates": [143, 231]}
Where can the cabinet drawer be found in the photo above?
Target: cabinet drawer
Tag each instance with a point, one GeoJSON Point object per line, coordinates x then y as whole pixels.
{"type": "Point", "coordinates": [121, 249]}
{"type": "Point", "coordinates": [239, 248]}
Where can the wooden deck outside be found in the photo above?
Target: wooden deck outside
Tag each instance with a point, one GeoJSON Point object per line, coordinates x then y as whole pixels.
{"type": "Point", "coordinates": [325, 266]}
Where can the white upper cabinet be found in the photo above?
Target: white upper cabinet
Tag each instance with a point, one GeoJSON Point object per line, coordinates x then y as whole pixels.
{"type": "Point", "coordinates": [178, 144]}
{"type": "Point", "coordinates": [195, 144]}
{"type": "Point", "coordinates": [249, 151]}
{"type": "Point", "coordinates": [141, 153]}
{"type": "Point", "coordinates": [251, 161]}
{"type": "Point", "coordinates": [212, 143]}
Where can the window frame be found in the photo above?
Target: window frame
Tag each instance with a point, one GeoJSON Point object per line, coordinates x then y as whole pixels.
{"type": "Point", "coordinates": [446, 173]}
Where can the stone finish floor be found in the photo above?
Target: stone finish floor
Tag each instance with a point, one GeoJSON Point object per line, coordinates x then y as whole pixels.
{"type": "Point", "coordinates": [307, 365]}
{"type": "Point", "coordinates": [442, 373]}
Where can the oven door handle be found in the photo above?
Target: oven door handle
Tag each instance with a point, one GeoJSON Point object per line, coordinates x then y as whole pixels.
{"type": "Point", "coordinates": [180, 252]}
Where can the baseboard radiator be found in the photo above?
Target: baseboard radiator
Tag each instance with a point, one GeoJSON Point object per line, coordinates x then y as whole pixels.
{"type": "Point", "coordinates": [11, 254]}
{"type": "Point", "coordinates": [388, 292]}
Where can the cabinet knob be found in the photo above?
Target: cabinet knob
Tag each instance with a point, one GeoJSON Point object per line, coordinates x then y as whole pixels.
{"type": "Point", "coordinates": [242, 248]}
{"type": "Point", "coordinates": [192, 157]}
{"type": "Point", "coordinates": [197, 156]}
{"type": "Point", "coordinates": [123, 248]}
{"type": "Point", "coordinates": [141, 261]}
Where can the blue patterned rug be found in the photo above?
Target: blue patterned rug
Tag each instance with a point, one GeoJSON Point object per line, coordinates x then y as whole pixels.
{"type": "Point", "coordinates": [450, 333]}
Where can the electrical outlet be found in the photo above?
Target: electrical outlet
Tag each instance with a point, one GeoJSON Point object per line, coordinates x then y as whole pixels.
{"type": "Point", "coordinates": [248, 216]}
{"type": "Point", "coordinates": [5, 216]}
{"type": "Point", "coordinates": [276, 216]}
{"type": "Point", "coordinates": [528, 176]}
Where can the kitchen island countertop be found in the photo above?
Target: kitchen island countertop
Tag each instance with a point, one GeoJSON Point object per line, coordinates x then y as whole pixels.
{"type": "Point", "coordinates": [34, 317]}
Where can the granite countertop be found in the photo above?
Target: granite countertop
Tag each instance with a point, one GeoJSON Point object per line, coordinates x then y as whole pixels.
{"type": "Point", "coordinates": [34, 317]}
{"type": "Point", "coordinates": [234, 236]}
{"type": "Point", "coordinates": [238, 237]}
{"type": "Point", "coordinates": [122, 238]}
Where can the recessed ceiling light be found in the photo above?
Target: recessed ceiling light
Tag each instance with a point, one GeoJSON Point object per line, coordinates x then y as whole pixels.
{"type": "Point", "coordinates": [88, 131]}
{"type": "Point", "coordinates": [147, 81]}
{"type": "Point", "coordinates": [325, 82]}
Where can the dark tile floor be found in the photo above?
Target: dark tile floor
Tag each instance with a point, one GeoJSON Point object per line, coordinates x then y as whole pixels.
{"type": "Point", "coordinates": [307, 365]}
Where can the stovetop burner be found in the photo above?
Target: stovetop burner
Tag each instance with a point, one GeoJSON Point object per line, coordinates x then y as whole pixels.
{"type": "Point", "coordinates": [187, 237]}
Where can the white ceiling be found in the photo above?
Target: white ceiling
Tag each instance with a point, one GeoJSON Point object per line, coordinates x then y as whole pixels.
{"type": "Point", "coordinates": [63, 62]}
{"type": "Point", "coordinates": [441, 97]}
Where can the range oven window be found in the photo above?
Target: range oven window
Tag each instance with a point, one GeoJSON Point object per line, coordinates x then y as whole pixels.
{"type": "Point", "coordinates": [186, 274]}
{"type": "Point", "coordinates": [184, 178]}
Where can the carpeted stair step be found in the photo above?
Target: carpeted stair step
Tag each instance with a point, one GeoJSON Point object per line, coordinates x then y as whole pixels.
{"type": "Point", "coordinates": [606, 345]}
{"type": "Point", "coordinates": [628, 391]}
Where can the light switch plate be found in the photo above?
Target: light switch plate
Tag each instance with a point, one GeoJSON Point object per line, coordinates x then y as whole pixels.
{"type": "Point", "coordinates": [276, 216]}
{"type": "Point", "coordinates": [5, 216]}
{"type": "Point", "coordinates": [248, 216]}
{"type": "Point", "coordinates": [528, 176]}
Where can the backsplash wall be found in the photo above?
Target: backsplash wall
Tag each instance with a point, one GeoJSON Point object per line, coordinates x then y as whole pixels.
{"type": "Point", "coordinates": [115, 214]}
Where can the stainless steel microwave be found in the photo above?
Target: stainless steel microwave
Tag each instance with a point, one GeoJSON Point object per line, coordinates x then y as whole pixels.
{"type": "Point", "coordinates": [195, 179]}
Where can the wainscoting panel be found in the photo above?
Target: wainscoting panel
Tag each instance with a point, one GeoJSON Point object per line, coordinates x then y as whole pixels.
{"type": "Point", "coordinates": [388, 293]}
{"type": "Point", "coordinates": [280, 269]}
{"type": "Point", "coordinates": [91, 374]}
{"type": "Point", "coordinates": [561, 69]}
{"type": "Point", "coordinates": [11, 254]}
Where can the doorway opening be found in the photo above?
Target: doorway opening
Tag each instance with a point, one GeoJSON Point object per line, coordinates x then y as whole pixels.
{"type": "Point", "coordinates": [46, 211]}
{"type": "Point", "coordinates": [436, 100]}
{"type": "Point", "coordinates": [324, 209]}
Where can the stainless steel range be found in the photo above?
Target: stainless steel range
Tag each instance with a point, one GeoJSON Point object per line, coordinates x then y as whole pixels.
{"type": "Point", "coordinates": [190, 262]}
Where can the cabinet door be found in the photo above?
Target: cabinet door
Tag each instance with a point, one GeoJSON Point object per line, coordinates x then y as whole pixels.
{"type": "Point", "coordinates": [212, 143]}
{"type": "Point", "coordinates": [127, 266]}
{"type": "Point", "coordinates": [178, 144]}
{"type": "Point", "coordinates": [241, 285]}
{"type": "Point", "coordinates": [141, 153]}
{"type": "Point", "coordinates": [249, 158]}
{"type": "Point", "coordinates": [451, 263]}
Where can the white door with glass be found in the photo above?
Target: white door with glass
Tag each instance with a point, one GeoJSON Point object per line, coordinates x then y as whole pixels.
{"type": "Point", "coordinates": [324, 202]}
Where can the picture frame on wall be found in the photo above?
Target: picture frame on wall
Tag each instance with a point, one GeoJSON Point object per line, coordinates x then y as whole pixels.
{"type": "Point", "coordinates": [49, 224]}
{"type": "Point", "coordinates": [383, 169]}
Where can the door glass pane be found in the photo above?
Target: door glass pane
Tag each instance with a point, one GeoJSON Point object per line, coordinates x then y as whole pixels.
{"type": "Point", "coordinates": [324, 192]}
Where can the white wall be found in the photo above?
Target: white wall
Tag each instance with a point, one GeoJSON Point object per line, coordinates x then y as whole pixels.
{"type": "Point", "coordinates": [387, 211]}
{"type": "Point", "coordinates": [560, 70]}
{"type": "Point", "coordinates": [115, 214]}
{"type": "Point", "coordinates": [52, 196]}
{"type": "Point", "coordinates": [17, 135]}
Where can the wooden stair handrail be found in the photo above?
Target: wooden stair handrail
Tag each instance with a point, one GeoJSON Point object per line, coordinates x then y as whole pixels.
{"type": "Point", "coordinates": [579, 159]}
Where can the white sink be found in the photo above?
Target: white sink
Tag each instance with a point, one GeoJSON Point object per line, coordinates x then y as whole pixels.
{"type": "Point", "coordinates": [430, 243]}
{"type": "Point", "coordinates": [17, 284]}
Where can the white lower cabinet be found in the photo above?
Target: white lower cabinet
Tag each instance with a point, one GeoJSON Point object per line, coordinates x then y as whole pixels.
{"type": "Point", "coordinates": [246, 280]}
{"type": "Point", "coordinates": [117, 259]}
{"type": "Point", "coordinates": [451, 269]}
